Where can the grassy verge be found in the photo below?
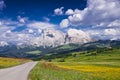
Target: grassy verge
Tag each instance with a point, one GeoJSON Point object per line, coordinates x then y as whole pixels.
{"type": "Point", "coordinates": [74, 71]}
{"type": "Point", "coordinates": [9, 62]}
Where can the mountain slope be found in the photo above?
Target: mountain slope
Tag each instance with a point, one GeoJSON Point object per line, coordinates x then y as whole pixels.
{"type": "Point", "coordinates": [17, 51]}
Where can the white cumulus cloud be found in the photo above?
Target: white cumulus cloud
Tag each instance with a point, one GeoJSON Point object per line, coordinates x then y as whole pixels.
{"type": "Point", "coordinates": [96, 12]}
{"type": "Point", "coordinates": [64, 23]}
{"type": "Point", "coordinates": [59, 11]}
{"type": "Point", "coordinates": [112, 32]}
{"type": "Point", "coordinates": [100, 16]}
{"type": "Point", "coordinates": [40, 25]}
{"type": "Point", "coordinates": [22, 19]}
{"type": "Point", "coordinates": [69, 12]}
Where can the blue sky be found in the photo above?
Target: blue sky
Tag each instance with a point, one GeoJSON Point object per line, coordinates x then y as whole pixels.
{"type": "Point", "coordinates": [24, 19]}
{"type": "Point", "coordinates": [38, 9]}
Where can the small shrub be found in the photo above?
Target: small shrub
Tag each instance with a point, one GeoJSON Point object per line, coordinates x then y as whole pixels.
{"type": "Point", "coordinates": [49, 60]}
{"type": "Point", "coordinates": [91, 54]}
{"type": "Point", "coordinates": [61, 60]}
{"type": "Point", "coordinates": [74, 55]}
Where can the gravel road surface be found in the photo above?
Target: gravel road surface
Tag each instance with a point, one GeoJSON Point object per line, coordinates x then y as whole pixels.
{"type": "Point", "coordinates": [20, 72]}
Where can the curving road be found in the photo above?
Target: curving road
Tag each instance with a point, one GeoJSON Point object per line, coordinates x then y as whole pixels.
{"type": "Point", "coordinates": [20, 72]}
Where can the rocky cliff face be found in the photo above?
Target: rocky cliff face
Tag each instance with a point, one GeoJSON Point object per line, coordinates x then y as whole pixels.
{"type": "Point", "coordinates": [3, 43]}
{"type": "Point", "coordinates": [52, 38]}
{"type": "Point", "coordinates": [77, 36]}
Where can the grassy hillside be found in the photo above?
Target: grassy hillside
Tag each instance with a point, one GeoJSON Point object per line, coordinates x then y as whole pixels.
{"type": "Point", "coordinates": [9, 62]}
{"type": "Point", "coordinates": [108, 56]}
{"type": "Point", "coordinates": [36, 52]}
{"type": "Point", "coordinates": [92, 65]}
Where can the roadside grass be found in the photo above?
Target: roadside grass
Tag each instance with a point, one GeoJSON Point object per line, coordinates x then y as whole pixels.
{"type": "Point", "coordinates": [74, 71]}
{"type": "Point", "coordinates": [48, 71]}
{"type": "Point", "coordinates": [9, 62]}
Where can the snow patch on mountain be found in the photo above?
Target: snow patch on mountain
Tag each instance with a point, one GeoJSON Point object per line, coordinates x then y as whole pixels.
{"type": "Point", "coordinates": [52, 38]}
{"type": "Point", "coordinates": [3, 43]}
{"type": "Point", "coordinates": [77, 36]}
{"type": "Point", "coordinates": [48, 37]}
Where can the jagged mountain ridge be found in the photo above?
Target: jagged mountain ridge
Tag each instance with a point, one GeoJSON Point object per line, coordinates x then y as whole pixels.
{"type": "Point", "coordinates": [51, 38]}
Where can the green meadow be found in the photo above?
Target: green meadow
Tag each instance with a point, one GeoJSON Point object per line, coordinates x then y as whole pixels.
{"type": "Point", "coordinates": [80, 66]}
